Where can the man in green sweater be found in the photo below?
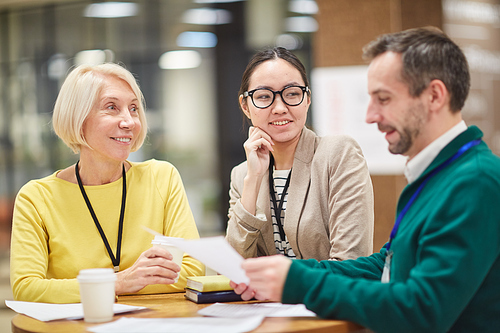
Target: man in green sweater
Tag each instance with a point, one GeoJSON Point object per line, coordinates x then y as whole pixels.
{"type": "Point", "coordinates": [440, 270]}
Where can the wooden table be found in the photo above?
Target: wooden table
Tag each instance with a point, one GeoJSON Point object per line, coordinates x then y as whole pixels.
{"type": "Point", "coordinates": [175, 305]}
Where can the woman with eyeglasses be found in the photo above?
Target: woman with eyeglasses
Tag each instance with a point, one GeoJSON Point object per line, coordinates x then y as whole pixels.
{"type": "Point", "coordinates": [297, 194]}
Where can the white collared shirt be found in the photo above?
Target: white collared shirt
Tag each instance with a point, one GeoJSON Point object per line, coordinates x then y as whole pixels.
{"type": "Point", "coordinates": [417, 165]}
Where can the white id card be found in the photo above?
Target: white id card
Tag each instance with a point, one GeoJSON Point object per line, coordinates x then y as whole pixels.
{"type": "Point", "coordinates": [386, 273]}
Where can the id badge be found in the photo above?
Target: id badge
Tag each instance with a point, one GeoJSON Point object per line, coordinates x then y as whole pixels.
{"type": "Point", "coordinates": [386, 273]}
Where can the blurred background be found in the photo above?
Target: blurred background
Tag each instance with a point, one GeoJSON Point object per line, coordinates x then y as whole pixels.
{"type": "Point", "coordinates": [188, 57]}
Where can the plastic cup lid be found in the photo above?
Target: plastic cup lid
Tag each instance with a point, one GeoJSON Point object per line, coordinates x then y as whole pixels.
{"type": "Point", "coordinates": [96, 275]}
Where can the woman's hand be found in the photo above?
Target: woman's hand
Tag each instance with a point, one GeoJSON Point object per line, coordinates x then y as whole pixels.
{"type": "Point", "coordinates": [154, 266]}
{"type": "Point", "coordinates": [257, 148]}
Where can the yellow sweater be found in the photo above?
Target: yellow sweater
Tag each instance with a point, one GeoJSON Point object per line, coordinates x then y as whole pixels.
{"type": "Point", "coordinates": [54, 236]}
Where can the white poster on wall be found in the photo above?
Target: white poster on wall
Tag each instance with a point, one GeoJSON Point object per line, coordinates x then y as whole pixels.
{"type": "Point", "coordinates": [340, 99]}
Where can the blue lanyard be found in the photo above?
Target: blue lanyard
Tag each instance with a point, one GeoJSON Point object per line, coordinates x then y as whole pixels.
{"type": "Point", "coordinates": [459, 153]}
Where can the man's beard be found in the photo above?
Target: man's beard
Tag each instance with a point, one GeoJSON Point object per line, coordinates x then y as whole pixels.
{"type": "Point", "coordinates": [411, 130]}
{"type": "Point", "coordinates": [405, 142]}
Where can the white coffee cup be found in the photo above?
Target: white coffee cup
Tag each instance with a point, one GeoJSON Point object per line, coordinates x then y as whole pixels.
{"type": "Point", "coordinates": [97, 293]}
{"type": "Point", "coordinates": [164, 242]}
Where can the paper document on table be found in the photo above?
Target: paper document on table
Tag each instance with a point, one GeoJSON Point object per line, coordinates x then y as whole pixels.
{"type": "Point", "coordinates": [49, 311]}
{"type": "Point", "coordinates": [256, 309]}
{"type": "Point", "coordinates": [188, 324]}
{"type": "Point", "coordinates": [216, 253]}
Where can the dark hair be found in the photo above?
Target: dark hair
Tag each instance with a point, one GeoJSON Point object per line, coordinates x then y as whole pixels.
{"type": "Point", "coordinates": [427, 54]}
{"type": "Point", "coordinates": [271, 54]}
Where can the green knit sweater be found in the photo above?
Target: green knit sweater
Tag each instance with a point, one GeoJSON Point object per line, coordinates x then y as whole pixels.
{"type": "Point", "coordinates": [445, 271]}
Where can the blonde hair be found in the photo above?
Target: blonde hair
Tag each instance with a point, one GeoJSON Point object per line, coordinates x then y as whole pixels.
{"type": "Point", "coordinates": [80, 93]}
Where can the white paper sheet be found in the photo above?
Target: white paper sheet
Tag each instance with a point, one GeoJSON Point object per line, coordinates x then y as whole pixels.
{"type": "Point", "coordinates": [256, 309]}
{"type": "Point", "coordinates": [48, 311]}
{"type": "Point", "coordinates": [189, 324]}
{"type": "Point", "coordinates": [216, 253]}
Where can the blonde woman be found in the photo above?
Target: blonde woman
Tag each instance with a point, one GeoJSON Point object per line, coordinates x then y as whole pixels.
{"type": "Point", "coordinates": [90, 214]}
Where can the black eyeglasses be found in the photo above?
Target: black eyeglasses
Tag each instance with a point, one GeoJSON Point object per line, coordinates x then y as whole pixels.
{"type": "Point", "coordinates": [263, 97]}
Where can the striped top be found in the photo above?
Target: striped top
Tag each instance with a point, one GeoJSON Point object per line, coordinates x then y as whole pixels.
{"type": "Point", "coordinates": [282, 245]}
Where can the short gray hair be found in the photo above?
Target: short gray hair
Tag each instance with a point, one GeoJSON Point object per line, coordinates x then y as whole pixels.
{"type": "Point", "coordinates": [427, 54]}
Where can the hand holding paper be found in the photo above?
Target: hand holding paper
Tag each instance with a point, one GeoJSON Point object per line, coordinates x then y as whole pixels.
{"type": "Point", "coordinates": [216, 253]}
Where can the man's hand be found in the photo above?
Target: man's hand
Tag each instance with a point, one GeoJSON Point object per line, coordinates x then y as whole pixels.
{"type": "Point", "coordinates": [267, 278]}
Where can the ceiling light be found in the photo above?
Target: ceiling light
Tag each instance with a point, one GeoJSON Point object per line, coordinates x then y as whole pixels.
{"type": "Point", "coordinates": [91, 57]}
{"type": "Point", "coordinates": [207, 16]}
{"type": "Point", "coordinates": [94, 57]}
{"type": "Point", "coordinates": [289, 41]}
{"type": "Point", "coordinates": [57, 66]}
{"type": "Point", "coordinates": [111, 9]}
{"type": "Point", "coordinates": [303, 6]}
{"type": "Point", "coordinates": [301, 24]}
{"type": "Point", "coordinates": [180, 60]}
{"type": "Point", "coordinates": [216, 1]}
{"type": "Point", "coordinates": [196, 39]}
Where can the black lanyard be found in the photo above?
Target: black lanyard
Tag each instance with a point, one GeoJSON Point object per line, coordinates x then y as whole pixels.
{"type": "Point", "coordinates": [114, 260]}
{"type": "Point", "coordinates": [278, 208]}
{"type": "Point", "coordinates": [400, 216]}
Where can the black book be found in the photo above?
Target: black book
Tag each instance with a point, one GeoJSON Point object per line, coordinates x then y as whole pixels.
{"type": "Point", "coordinates": [212, 296]}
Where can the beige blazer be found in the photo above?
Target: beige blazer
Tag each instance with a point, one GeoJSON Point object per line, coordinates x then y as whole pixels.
{"type": "Point", "coordinates": [329, 211]}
